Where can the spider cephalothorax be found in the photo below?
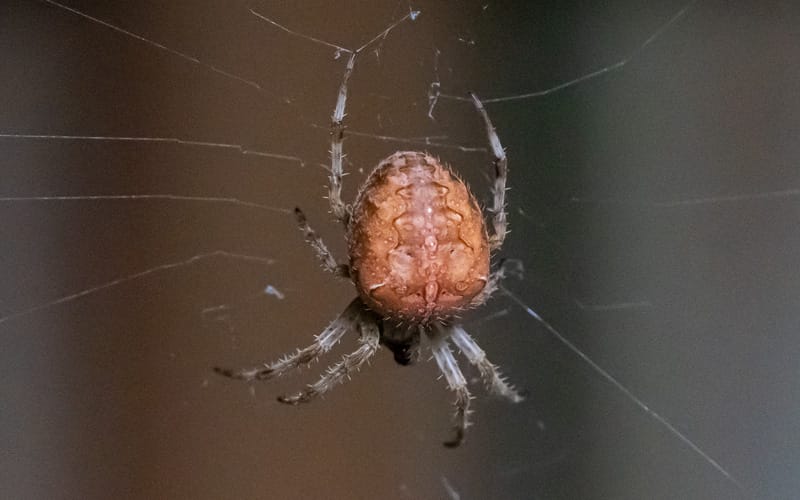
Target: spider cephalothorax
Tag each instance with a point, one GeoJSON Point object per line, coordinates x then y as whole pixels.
{"type": "Point", "coordinates": [418, 254]}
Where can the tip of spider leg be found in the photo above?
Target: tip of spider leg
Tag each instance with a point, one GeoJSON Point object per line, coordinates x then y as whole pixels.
{"type": "Point", "coordinates": [456, 441]}
{"type": "Point", "coordinates": [287, 400]}
{"type": "Point", "coordinates": [521, 395]}
{"type": "Point", "coordinates": [225, 372]}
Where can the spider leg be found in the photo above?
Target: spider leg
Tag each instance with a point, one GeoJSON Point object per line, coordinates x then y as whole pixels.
{"type": "Point", "coordinates": [489, 373]}
{"type": "Point", "coordinates": [455, 381]}
{"type": "Point", "coordinates": [492, 283]}
{"type": "Point", "coordinates": [499, 218]}
{"type": "Point", "coordinates": [325, 256]}
{"type": "Point", "coordinates": [336, 374]}
{"type": "Point", "coordinates": [307, 355]}
{"type": "Point", "coordinates": [340, 210]}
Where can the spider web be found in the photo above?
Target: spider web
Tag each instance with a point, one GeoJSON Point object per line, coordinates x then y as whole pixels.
{"type": "Point", "coordinates": [151, 158]}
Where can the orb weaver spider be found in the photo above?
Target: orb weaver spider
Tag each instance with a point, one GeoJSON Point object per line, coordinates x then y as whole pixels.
{"type": "Point", "coordinates": [419, 253]}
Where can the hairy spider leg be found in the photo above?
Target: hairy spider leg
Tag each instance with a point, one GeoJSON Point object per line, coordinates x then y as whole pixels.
{"type": "Point", "coordinates": [325, 256]}
{"type": "Point", "coordinates": [336, 374]}
{"type": "Point", "coordinates": [305, 356]}
{"type": "Point", "coordinates": [492, 284]}
{"type": "Point", "coordinates": [455, 382]}
{"type": "Point", "coordinates": [498, 210]}
{"type": "Point", "coordinates": [340, 210]}
{"type": "Point", "coordinates": [490, 374]}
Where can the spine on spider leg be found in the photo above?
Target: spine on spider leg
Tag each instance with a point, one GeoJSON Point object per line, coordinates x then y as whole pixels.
{"type": "Point", "coordinates": [337, 138]}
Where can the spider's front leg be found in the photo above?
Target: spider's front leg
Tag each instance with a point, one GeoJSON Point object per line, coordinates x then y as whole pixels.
{"type": "Point", "coordinates": [490, 374]}
{"type": "Point", "coordinates": [455, 381]}
{"type": "Point", "coordinates": [336, 374]}
{"type": "Point", "coordinates": [305, 356]}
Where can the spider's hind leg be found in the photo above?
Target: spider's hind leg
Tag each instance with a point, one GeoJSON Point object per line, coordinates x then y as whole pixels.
{"type": "Point", "coordinates": [499, 218]}
{"type": "Point", "coordinates": [494, 279]}
{"type": "Point", "coordinates": [340, 210]}
{"type": "Point", "coordinates": [325, 256]}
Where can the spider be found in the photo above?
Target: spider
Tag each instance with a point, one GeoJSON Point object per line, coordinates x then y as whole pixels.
{"type": "Point", "coordinates": [419, 254]}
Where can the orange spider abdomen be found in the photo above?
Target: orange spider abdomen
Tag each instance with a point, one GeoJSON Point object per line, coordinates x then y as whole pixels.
{"type": "Point", "coordinates": [417, 240]}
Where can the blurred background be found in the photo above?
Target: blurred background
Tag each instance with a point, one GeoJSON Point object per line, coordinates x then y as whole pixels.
{"type": "Point", "coordinates": [653, 211]}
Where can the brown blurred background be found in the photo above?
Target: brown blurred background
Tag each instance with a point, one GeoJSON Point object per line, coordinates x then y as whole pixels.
{"type": "Point", "coordinates": [654, 208]}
